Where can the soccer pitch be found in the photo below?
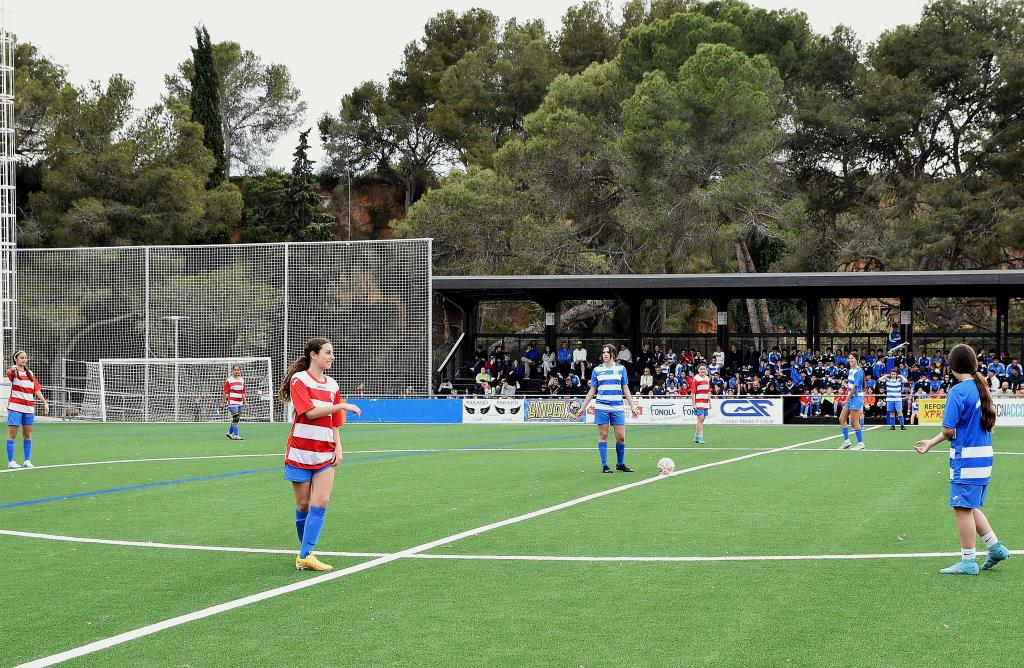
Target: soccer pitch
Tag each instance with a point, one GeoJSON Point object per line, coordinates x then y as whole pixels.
{"type": "Point", "coordinates": [479, 545]}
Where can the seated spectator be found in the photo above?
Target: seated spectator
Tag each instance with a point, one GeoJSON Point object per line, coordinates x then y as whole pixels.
{"type": "Point", "coordinates": [483, 382]}
{"type": "Point", "coordinates": [507, 389]}
{"type": "Point", "coordinates": [547, 361]}
{"type": "Point", "coordinates": [572, 382]}
{"type": "Point", "coordinates": [645, 358]}
{"type": "Point", "coordinates": [625, 357]}
{"type": "Point", "coordinates": [579, 359]}
{"type": "Point", "coordinates": [564, 358]}
{"type": "Point", "coordinates": [444, 387]}
{"type": "Point", "coordinates": [659, 389]}
{"type": "Point", "coordinates": [869, 401]}
{"type": "Point", "coordinates": [828, 401]}
{"type": "Point", "coordinates": [554, 386]}
{"type": "Point", "coordinates": [805, 404]}
{"type": "Point", "coordinates": [718, 357]}
{"type": "Point", "coordinates": [530, 360]}
{"type": "Point", "coordinates": [646, 382]}
{"type": "Point", "coordinates": [1004, 390]}
{"type": "Point", "coordinates": [815, 401]}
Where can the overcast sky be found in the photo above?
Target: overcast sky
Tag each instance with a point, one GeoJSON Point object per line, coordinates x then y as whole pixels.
{"type": "Point", "coordinates": [329, 47]}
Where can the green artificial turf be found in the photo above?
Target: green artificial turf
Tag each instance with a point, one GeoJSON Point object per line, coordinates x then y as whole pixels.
{"type": "Point", "coordinates": [507, 613]}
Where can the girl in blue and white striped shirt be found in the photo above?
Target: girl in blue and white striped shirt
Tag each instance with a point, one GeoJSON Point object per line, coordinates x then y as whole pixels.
{"type": "Point", "coordinates": [967, 422]}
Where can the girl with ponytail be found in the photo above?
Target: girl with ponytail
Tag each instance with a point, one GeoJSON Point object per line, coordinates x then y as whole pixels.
{"type": "Point", "coordinates": [21, 408]}
{"type": "Point", "coordinates": [967, 423]}
{"type": "Point", "coordinates": [314, 445]}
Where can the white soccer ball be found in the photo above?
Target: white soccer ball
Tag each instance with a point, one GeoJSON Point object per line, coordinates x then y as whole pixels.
{"type": "Point", "coordinates": [666, 466]}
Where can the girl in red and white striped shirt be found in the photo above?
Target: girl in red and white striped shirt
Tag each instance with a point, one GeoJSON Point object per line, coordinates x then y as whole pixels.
{"type": "Point", "coordinates": [21, 408]}
{"type": "Point", "coordinates": [700, 386]}
{"type": "Point", "coordinates": [233, 399]}
{"type": "Point", "coordinates": [314, 445]}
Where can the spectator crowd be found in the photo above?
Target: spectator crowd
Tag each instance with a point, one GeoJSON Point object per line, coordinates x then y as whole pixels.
{"type": "Point", "coordinates": [818, 377]}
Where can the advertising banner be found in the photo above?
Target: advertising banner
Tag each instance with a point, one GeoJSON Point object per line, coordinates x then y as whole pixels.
{"type": "Point", "coordinates": [497, 410]}
{"type": "Point", "coordinates": [554, 410]}
{"type": "Point", "coordinates": [745, 410]}
{"type": "Point", "coordinates": [929, 411]}
{"type": "Point", "coordinates": [1009, 412]}
{"type": "Point", "coordinates": [409, 411]}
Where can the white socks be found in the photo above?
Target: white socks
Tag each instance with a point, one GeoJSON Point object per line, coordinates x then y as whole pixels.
{"type": "Point", "coordinates": [968, 554]}
{"type": "Point", "coordinates": [990, 539]}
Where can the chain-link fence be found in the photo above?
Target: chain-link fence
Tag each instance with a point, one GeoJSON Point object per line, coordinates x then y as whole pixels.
{"type": "Point", "coordinates": [371, 299]}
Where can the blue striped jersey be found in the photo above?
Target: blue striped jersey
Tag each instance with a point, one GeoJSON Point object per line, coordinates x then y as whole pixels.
{"type": "Point", "coordinates": [894, 389]}
{"type": "Point", "coordinates": [970, 453]}
{"type": "Point", "coordinates": [608, 382]}
{"type": "Point", "coordinates": [855, 382]}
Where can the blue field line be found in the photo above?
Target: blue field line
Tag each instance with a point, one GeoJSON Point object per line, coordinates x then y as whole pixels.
{"type": "Point", "coordinates": [348, 460]}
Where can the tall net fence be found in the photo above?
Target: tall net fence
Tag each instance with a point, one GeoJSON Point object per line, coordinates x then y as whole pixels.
{"type": "Point", "coordinates": [371, 299]}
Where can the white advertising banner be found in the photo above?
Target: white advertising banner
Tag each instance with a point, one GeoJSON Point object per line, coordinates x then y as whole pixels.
{"type": "Point", "coordinates": [497, 410]}
{"type": "Point", "coordinates": [745, 410]}
{"type": "Point", "coordinates": [1009, 412]}
{"type": "Point", "coordinates": [679, 410]}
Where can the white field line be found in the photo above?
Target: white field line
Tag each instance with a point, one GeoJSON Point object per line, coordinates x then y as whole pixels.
{"type": "Point", "coordinates": [379, 561]}
{"type": "Point", "coordinates": [176, 546]}
{"type": "Point", "coordinates": [495, 557]}
{"type": "Point", "coordinates": [456, 450]}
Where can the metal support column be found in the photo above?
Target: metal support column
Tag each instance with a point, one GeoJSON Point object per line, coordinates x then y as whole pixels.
{"type": "Point", "coordinates": [722, 322]}
{"type": "Point", "coordinates": [813, 323]}
{"type": "Point", "coordinates": [1002, 324]}
{"type": "Point", "coordinates": [636, 327]}
{"type": "Point", "coordinates": [907, 321]}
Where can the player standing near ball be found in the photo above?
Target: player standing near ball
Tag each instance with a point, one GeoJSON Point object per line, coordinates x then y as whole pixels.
{"type": "Point", "coordinates": [233, 399]}
{"type": "Point", "coordinates": [314, 445]}
{"type": "Point", "coordinates": [609, 383]}
{"type": "Point", "coordinates": [967, 423]}
{"type": "Point", "coordinates": [700, 390]}
{"type": "Point", "coordinates": [853, 409]}
{"type": "Point", "coordinates": [21, 408]}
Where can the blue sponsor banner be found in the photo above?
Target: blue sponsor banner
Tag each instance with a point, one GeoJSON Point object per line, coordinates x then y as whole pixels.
{"type": "Point", "coordinates": [423, 411]}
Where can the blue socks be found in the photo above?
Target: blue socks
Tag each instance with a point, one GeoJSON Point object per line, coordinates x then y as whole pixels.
{"type": "Point", "coordinates": [300, 522]}
{"type": "Point", "coordinates": [903, 422]}
{"type": "Point", "coordinates": [10, 450]}
{"type": "Point", "coordinates": [26, 447]}
{"type": "Point", "coordinates": [620, 453]}
{"type": "Point", "coordinates": [233, 429]}
{"type": "Point", "coordinates": [860, 435]}
{"type": "Point", "coordinates": [846, 434]}
{"type": "Point", "coordinates": [890, 420]}
{"type": "Point", "coordinates": [602, 447]}
{"type": "Point", "coordinates": [311, 531]}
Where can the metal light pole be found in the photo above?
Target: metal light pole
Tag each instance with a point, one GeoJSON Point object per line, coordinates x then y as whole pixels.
{"type": "Point", "coordinates": [175, 319]}
{"type": "Point", "coordinates": [349, 174]}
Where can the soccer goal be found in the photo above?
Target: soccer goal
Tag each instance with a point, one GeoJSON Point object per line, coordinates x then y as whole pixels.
{"type": "Point", "coordinates": [173, 390]}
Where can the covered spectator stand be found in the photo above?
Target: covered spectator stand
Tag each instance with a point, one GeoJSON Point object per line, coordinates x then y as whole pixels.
{"type": "Point", "coordinates": [468, 292]}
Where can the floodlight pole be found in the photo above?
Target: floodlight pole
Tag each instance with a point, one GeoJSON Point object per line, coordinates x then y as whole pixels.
{"type": "Point", "coordinates": [175, 319]}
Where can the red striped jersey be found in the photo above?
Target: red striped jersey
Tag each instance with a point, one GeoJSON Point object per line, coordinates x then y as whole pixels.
{"type": "Point", "coordinates": [234, 388]}
{"type": "Point", "coordinates": [701, 392]}
{"type": "Point", "coordinates": [23, 389]}
{"type": "Point", "coordinates": [311, 442]}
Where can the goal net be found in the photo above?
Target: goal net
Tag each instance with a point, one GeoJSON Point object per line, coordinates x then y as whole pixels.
{"type": "Point", "coordinates": [170, 390]}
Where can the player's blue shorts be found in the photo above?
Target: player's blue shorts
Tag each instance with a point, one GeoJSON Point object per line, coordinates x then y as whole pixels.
{"type": "Point", "coordinates": [855, 403]}
{"type": "Point", "coordinates": [893, 406]}
{"type": "Point", "coordinates": [700, 412]}
{"type": "Point", "coordinates": [967, 496]}
{"type": "Point", "coordinates": [234, 409]}
{"type": "Point", "coordinates": [16, 419]}
{"type": "Point", "coordinates": [295, 474]}
{"type": "Point", "coordinates": [614, 418]}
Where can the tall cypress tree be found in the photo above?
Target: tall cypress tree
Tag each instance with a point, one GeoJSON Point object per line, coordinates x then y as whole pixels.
{"type": "Point", "coordinates": [205, 102]}
{"type": "Point", "coordinates": [306, 220]}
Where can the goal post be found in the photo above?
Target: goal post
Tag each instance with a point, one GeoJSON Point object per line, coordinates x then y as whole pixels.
{"type": "Point", "coordinates": [185, 389]}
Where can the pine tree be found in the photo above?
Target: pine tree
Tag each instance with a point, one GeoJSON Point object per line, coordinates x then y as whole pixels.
{"type": "Point", "coordinates": [306, 220]}
{"type": "Point", "coordinates": [205, 103]}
